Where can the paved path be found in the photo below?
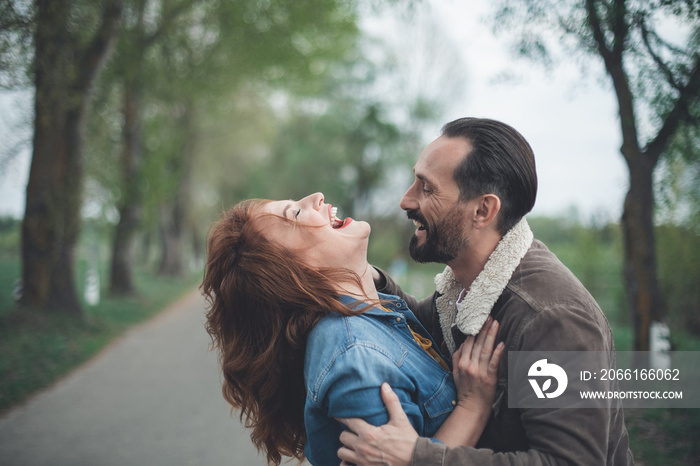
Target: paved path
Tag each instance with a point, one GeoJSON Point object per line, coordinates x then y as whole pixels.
{"type": "Point", "coordinates": [152, 398]}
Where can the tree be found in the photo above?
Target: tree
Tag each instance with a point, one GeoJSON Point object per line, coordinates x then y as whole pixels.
{"type": "Point", "coordinates": [677, 187]}
{"type": "Point", "coordinates": [678, 198]}
{"type": "Point", "coordinates": [657, 85]}
{"type": "Point", "coordinates": [16, 33]}
{"type": "Point", "coordinates": [195, 51]}
{"type": "Point", "coordinates": [72, 41]}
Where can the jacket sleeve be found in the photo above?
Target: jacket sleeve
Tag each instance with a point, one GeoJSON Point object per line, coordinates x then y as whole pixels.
{"type": "Point", "coordinates": [350, 388]}
{"type": "Point", "coordinates": [427, 453]}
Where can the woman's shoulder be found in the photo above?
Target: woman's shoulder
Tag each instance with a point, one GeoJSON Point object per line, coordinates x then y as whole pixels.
{"type": "Point", "coordinates": [335, 334]}
{"type": "Point", "coordinates": [335, 329]}
{"type": "Point", "coordinates": [332, 327]}
{"type": "Point", "coordinates": [363, 345]}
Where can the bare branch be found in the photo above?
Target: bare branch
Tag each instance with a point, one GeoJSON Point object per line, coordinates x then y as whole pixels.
{"type": "Point", "coordinates": [657, 59]}
{"type": "Point", "coordinates": [620, 27]}
{"type": "Point", "coordinates": [104, 39]}
{"type": "Point", "coordinates": [168, 21]}
{"type": "Point", "coordinates": [596, 28]}
{"type": "Point", "coordinates": [689, 95]}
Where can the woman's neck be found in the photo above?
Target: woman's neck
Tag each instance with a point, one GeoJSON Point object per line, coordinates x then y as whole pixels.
{"type": "Point", "coordinates": [367, 291]}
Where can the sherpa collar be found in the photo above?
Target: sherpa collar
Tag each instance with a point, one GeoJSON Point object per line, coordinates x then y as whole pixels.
{"type": "Point", "coordinates": [470, 314]}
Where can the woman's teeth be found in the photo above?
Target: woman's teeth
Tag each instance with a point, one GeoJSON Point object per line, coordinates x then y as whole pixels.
{"type": "Point", "coordinates": [335, 221]}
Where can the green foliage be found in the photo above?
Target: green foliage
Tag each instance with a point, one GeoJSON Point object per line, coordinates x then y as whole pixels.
{"type": "Point", "coordinates": [9, 237]}
{"type": "Point", "coordinates": [678, 181]}
{"type": "Point", "coordinates": [344, 153]}
{"type": "Point", "coordinates": [389, 241]}
{"type": "Point", "coordinates": [15, 42]}
{"type": "Point", "coordinates": [594, 255]}
{"type": "Point", "coordinates": [664, 436]}
{"type": "Point", "coordinates": [658, 63]}
{"type": "Point", "coordinates": [201, 71]}
{"type": "Point", "coordinates": [679, 272]}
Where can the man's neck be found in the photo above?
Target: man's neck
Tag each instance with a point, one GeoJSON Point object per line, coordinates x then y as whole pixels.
{"type": "Point", "coordinates": [472, 260]}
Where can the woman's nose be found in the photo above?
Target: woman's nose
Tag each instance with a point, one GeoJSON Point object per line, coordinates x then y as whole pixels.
{"type": "Point", "coordinates": [314, 200]}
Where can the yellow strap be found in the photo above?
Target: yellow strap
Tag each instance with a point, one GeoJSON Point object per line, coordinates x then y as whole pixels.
{"type": "Point", "coordinates": [427, 345]}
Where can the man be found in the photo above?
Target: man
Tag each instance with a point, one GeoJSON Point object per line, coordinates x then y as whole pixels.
{"type": "Point", "coordinates": [473, 186]}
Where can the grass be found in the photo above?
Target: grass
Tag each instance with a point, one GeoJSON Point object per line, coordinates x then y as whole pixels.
{"type": "Point", "coordinates": [664, 436]}
{"type": "Point", "coordinates": [38, 348]}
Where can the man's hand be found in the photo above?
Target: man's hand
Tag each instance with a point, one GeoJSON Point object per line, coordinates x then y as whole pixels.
{"type": "Point", "coordinates": [389, 445]}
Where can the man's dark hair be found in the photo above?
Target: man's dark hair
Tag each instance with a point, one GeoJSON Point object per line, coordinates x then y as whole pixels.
{"type": "Point", "coordinates": [501, 162]}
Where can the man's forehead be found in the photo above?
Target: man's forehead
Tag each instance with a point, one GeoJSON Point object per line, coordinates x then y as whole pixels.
{"type": "Point", "coordinates": [441, 157]}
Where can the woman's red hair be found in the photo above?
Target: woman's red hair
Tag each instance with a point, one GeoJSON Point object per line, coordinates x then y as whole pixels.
{"type": "Point", "coordinates": [263, 302]}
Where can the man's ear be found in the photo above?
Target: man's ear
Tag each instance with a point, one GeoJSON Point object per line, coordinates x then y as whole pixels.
{"type": "Point", "coordinates": [488, 207]}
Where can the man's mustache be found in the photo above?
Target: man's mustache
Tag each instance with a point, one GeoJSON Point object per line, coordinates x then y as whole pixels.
{"type": "Point", "coordinates": [417, 216]}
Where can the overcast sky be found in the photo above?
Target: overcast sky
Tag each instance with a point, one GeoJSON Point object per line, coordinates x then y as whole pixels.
{"type": "Point", "coordinates": [569, 119]}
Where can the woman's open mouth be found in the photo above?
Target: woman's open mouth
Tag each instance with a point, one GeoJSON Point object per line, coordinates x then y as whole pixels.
{"type": "Point", "coordinates": [337, 223]}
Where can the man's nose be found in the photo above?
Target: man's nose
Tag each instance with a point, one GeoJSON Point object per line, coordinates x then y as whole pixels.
{"type": "Point", "coordinates": [408, 201]}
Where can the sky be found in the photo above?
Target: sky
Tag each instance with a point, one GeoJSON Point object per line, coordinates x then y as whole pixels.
{"type": "Point", "coordinates": [568, 118]}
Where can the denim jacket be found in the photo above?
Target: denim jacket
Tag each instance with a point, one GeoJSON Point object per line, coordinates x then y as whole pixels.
{"type": "Point", "coordinates": [348, 358]}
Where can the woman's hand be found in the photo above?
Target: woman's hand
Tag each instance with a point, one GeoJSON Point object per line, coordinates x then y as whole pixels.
{"type": "Point", "coordinates": [475, 372]}
{"type": "Point", "coordinates": [475, 369]}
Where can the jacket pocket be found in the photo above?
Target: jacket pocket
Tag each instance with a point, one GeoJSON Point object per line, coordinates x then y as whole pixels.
{"type": "Point", "coordinates": [439, 405]}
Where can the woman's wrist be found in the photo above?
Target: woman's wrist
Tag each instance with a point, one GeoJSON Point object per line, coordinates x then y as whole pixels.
{"type": "Point", "coordinates": [465, 424]}
{"type": "Point", "coordinates": [478, 411]}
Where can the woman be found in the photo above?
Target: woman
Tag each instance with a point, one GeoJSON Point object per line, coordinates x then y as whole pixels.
{"type": "Point", "coordinates": [304, 338]}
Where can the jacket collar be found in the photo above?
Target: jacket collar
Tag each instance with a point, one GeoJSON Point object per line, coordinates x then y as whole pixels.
{"type": "Point", "coordinates": [390, 302]}
{"type": "Point", "coordinates": [472, 311]}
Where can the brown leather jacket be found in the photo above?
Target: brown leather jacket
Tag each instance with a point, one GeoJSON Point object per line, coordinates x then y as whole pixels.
{"type": "Point", "coordinates": [542, 308]}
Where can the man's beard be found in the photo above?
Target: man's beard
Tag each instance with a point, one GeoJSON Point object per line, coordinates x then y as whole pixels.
{"type": "Point", "coordinates": [443, 241]}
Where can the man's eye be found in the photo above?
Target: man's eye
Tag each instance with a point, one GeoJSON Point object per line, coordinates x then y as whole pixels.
{"type": "Point", "coordinates": [297, 213]}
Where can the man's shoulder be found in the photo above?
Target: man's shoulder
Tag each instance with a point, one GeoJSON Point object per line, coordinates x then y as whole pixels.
{"type": "Point", "coordinates": [545, 303]}
{"type": "Point", "coordinates": [541, 274]}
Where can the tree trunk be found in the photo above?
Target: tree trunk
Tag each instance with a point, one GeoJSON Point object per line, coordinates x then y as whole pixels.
{"type": "Point", "coordinates": [642, 284]}
{"type": "Point", "coordinates": [174, 213]}
{"type": "Point", "coordinates": [641, 281]}
{"type": "Point", "coordinates": [64, 76]}
{"type": "Point", "coordinates": [121, 279]}
{"type": "Point", "coordinates": [172, 261]}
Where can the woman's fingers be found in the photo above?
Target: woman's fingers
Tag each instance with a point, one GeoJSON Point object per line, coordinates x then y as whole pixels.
{"type": "Point", "coordinates": [460, 360]}
{"type": "Point", "coordinates": [496, 360]}
{"type": "Point", "coordinates": [481, 338]}
{"type": "Point", "coordinates": [477, 354]}
{"type": "Point", "coordinates": [488, 343]}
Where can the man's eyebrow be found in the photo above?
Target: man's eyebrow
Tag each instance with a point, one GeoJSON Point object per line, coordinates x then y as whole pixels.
{"type": "Point", "coordinates": [423, 178]}
{"type": "Point", "coordinates": [286, 208]}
